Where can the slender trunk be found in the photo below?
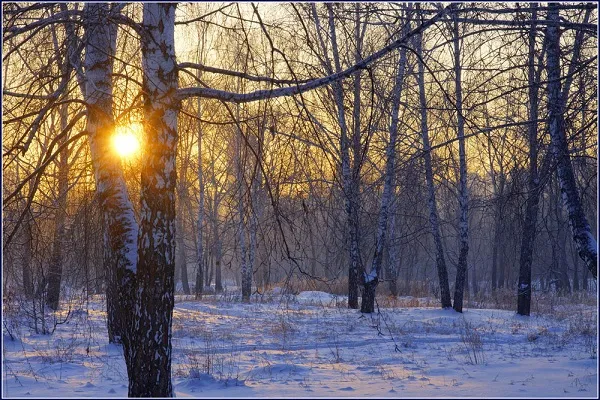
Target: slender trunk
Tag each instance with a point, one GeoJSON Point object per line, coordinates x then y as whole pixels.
{"type": "Point", "coordinates": [256, 209]}
{"type": "Point", "coordinates": [463, 196]}
{"type": "Point", "coordinates": [56, 258]}
{"type": "Point", "coordinates": [149, 356]}
{"type": "Point", "coordinates": [580, 228]}
{"type": "Point", "coordinates": [348, 181]}
{"type": "Point", "coordinates": [440, 260]}
{"type": "Point", "coordinates": [200, 243]}
{"type": "Point", "coordinates": [371, 279]}
{"type": "Point", "coordinates": [531, 207]}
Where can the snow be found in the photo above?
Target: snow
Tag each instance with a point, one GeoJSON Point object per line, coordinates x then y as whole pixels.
{"type": "Point", "coordinates": [311, 345]}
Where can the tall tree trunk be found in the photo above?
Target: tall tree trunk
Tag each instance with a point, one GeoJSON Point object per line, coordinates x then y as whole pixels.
{"type": "Point", "coordinates": [440, 260]}
{"type": "Point", "coordinates": [200, 243]}
{"type": "Point", "coordinates": [371, 279]}
{"type": "Point", "coordinates": [149, 356]}
{"type": "Point", "coordinates": [463, 196]}
{"type": "Point", "coordinates": [348, 178]}
{"type": "Point", "coordinates": [256, 207]}
{"type": "Point", "coordinates": [120, 226]}
{"type": "Point", "coordinates": [243, 212]}
{"type": "Point", "coordinates": [56, 258]}
{"type": "Point", "coordinates": [531, 207]}
{"type": "Point", "coordinates": [580, 228]}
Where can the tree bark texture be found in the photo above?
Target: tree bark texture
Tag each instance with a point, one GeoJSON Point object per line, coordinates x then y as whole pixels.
{"type": "Point", "coordinates": [149, 356]}
{"type": "Point", "coordinates": [121, 229]}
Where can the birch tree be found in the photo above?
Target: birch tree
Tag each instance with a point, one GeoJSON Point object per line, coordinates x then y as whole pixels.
{"type": "Point", "coordinates": [121, 228]}
{"type": "Point", "coordinates": [440, 260]}
{"type": "Point", "coordinates": [371, 279]}
{"type": "Point", "coordinates": [463, 196]}
{"type": "Point", "coordinates": [582, 236]}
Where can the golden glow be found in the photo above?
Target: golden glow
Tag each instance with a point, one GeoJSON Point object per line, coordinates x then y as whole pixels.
{"type": "Point", "coordinates": [126, 140]}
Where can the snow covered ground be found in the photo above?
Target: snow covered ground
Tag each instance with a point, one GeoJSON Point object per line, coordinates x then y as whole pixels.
{"type": "Point", "coordinates": [310, 345]}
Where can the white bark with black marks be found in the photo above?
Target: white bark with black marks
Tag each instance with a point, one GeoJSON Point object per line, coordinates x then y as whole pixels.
{"type": "Point", "coordinates": [149, 358]}
{"type": "Point", "coordinates": [121, 229]}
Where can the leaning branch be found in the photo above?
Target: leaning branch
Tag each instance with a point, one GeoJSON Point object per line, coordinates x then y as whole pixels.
{"type": "Point", "coordinates": [239, 98]}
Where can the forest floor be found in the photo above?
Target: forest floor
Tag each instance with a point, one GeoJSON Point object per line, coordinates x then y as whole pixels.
{"type": "Point", "coordinates": [310, 345]}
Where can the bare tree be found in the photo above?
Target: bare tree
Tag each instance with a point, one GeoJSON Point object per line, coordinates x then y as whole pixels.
{"type": "Point", "coordinates": [582, 236]}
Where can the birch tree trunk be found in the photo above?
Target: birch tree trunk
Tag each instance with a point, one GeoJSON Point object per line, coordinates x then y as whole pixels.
{"type": "Point", "coordinates": [120, 226]}
{"type": "Point", "coordinates": [463, 196]}
{"type": "Point", "coordinates": [434, 223]}
{"type": "Point", "coordinates": [149, 358]}
{"type": "Point", "coordinates": [372, 278]}
{"type": "Point", "coordinates": [582, 236]}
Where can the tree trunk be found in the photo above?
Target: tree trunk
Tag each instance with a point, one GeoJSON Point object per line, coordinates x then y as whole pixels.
{"type": "Point", "coordinates": [149, 358]}
{"type": "Point", "coordinates": [371, 279]}
{"type": "Point", "coordinates": [440, 260]}
{"type": "Point", "coordinates": [200, 243]}
{"type": "Point", "coordinates": [349, 186]}
{"type": "Point", "coordinates": [120, 226]}
{"type": "Point", "coordinates": [582, 235]}
{"type": "Point", "coordinates": [531, 207]}
{"type": "Point", "coordinates": [463, 197]}
{"type": "Point", "coordinates": [56, 259]}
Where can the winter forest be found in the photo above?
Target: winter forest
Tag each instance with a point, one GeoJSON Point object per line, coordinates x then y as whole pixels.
{"type": "Point", "coordinates": [299, 199]}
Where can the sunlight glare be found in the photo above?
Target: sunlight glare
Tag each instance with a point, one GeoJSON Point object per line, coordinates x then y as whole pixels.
{"type": "Point", "coordinates": [125, 140]}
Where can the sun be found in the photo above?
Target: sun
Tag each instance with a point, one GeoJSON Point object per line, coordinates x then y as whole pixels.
{"type": "Point", "coordinates": [126, 140]}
